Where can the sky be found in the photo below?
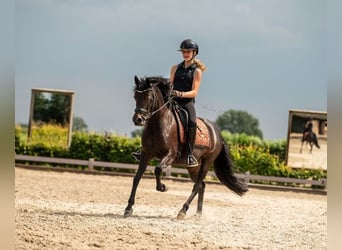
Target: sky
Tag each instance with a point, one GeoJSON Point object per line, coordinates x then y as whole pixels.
{"type": "Point", "coordinates": [263, 56]}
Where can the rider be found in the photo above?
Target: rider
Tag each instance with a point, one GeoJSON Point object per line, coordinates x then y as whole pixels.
{"type": "Point", "coordinates": [308, 127]}
{"type": "Point", "coordinates": [186, 79]}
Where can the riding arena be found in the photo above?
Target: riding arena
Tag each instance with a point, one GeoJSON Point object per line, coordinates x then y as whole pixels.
{"type": "Point", "coordinates": [61, 210]}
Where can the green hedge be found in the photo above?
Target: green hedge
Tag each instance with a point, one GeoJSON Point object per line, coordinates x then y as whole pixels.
{"type": "Point", "coordinates": [110, 148]}
{"type": "Point", "coordinates": [249, 153]}
{"type": "Point", "coordinates": [277, 147]}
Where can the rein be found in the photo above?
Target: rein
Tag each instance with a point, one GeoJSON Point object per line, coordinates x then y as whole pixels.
{"type": "Point", "coordinates": [150, 114]}
{"type": "Point", "coordinates": [160, 108]}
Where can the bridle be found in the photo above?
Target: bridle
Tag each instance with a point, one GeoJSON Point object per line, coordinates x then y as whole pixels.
{"type": "Point", "coordinates": [146, 114]}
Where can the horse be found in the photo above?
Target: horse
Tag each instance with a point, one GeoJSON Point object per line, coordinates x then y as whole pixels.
{"type": "Point", "coordinates": [311, 139]}
{"type": "Point", "coordinates": [161, 139]}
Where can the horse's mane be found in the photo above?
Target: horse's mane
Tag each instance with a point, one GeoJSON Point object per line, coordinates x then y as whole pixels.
{"type": "Point", "coordinates": [161, 82]}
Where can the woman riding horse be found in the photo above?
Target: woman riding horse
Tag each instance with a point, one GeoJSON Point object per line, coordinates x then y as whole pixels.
{"type": "Point", "coordinates": [186, 80]}
{"type": "Point", "coordinates": [309, 136]}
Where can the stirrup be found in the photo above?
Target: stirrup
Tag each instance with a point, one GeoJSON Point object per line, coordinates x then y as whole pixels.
{"type": "Point", "coordinates": [191, 161]}
{"type": "Point", "coordinates": [136, 155]}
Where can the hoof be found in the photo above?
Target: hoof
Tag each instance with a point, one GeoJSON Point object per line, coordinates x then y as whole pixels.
{"type": "Point", "coordinates": [128, 212]}
{"type": "Point", "coordinates": [163, 188]}
{"type": "Point", "coordinates": [181, 215]}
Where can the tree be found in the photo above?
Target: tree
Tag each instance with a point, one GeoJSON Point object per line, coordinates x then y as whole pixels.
{"type": "Point", "coordinates": [59, 109]}
{"type": "Point", "coordinates": [238, 122]}
{"type": "Point", "coordinates": [41, 105]}
{"type": "Point", "coordinates": [137, 132]}
{"type": "Point", "coordinates": [53, 108]}
{"type": "Point", "coordinates": [79, 124]}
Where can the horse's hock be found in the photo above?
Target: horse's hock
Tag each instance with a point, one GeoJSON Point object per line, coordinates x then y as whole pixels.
{"type": "Point", "coordinates": [55, 210]}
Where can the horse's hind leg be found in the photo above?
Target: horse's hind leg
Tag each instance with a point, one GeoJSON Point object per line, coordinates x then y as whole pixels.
{"type": "Point", "coordinates": [205, 165]}
{"type": "Point", "coordinates": [196, 188]}
{"type": "Point", "coordinates": [200, 199]}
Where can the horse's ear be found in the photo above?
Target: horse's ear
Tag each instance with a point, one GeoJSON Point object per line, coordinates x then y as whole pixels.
{"type": "Point", "coordinates": [137, 80]}
{"type": "Point", "coordinates": [148, 82]}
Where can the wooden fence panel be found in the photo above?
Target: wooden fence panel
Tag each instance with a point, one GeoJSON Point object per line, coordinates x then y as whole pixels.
{"type": "Point", "coordinates": [91, 163]}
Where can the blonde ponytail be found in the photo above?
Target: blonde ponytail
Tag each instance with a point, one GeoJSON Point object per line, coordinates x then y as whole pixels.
{"type": "Point", "coordinates": [200, 65]}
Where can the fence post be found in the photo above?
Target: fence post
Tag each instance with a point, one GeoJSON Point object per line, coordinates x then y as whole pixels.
{"type": "Point", "coordinates": [247, 177]}
{"type": "Point", "coordinates": [324, 183]}
{"type": "Point", "coordinates": [91, 164]}
{"type": "Point", "coordinates": [168, 171]}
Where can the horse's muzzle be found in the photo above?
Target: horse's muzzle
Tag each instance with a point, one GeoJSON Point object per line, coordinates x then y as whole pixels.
{"type": "Point", "coordinates": [140, 116]}
{"type": "Point", "coordinates": [139, 119]}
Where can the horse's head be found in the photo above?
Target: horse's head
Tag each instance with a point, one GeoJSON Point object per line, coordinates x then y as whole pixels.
{"type": "Point", "coordinates": [149, 97]}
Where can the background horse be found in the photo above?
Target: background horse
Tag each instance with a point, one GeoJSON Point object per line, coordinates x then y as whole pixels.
{"type": "Point", "coordinates": [160, 139]}
{"type": "Point", "coordinates": [311, 139]}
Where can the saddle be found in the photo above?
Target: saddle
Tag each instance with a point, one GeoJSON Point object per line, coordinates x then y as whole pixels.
{"type": "Point", "coordinates": [202, 132]}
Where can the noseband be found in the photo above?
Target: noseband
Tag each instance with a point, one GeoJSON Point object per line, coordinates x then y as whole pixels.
{"type": "Point", "coordinates": [142, 111]}
{"type": "Point", "coordinates": [146, 113]}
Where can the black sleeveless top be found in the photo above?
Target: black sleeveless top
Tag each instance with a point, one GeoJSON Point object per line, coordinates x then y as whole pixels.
{"type": "Point", "coordinates": [183, 80]}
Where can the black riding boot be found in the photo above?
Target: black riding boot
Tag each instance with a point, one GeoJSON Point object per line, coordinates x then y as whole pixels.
{"type": "Point", "coordinates": [191, 160]}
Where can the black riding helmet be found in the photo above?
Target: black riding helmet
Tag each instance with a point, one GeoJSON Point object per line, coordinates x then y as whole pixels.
{"type": "Point", "coordinates": [189, 44]}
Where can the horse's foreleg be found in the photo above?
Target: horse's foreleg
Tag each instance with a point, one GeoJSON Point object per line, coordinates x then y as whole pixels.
{"type": "Point", "coordinates": [136, 180]}
{"type": "Point", "coordinates": [167, 160]}
{"type": "Point", "coordinates": [160, 186]}
{"type": "Point", "coordinates": [197, 187]}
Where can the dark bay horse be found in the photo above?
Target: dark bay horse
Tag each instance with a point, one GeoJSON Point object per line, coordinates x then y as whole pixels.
{"type": "Point", "coordinates": [160, 139]}
{"type": "Point", "coordinates": [311, 139]}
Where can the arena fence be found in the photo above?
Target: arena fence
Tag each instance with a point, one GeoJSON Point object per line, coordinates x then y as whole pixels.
{"type": "Point", "coordinates": [169, 171]}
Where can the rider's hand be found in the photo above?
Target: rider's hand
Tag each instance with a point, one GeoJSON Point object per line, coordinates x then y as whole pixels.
{"type": "Point", "coordinates": [177, 93]}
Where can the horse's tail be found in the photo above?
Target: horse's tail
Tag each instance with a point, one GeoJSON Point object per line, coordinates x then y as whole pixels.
{"type": "Point", "coordinates": [223, 166]}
